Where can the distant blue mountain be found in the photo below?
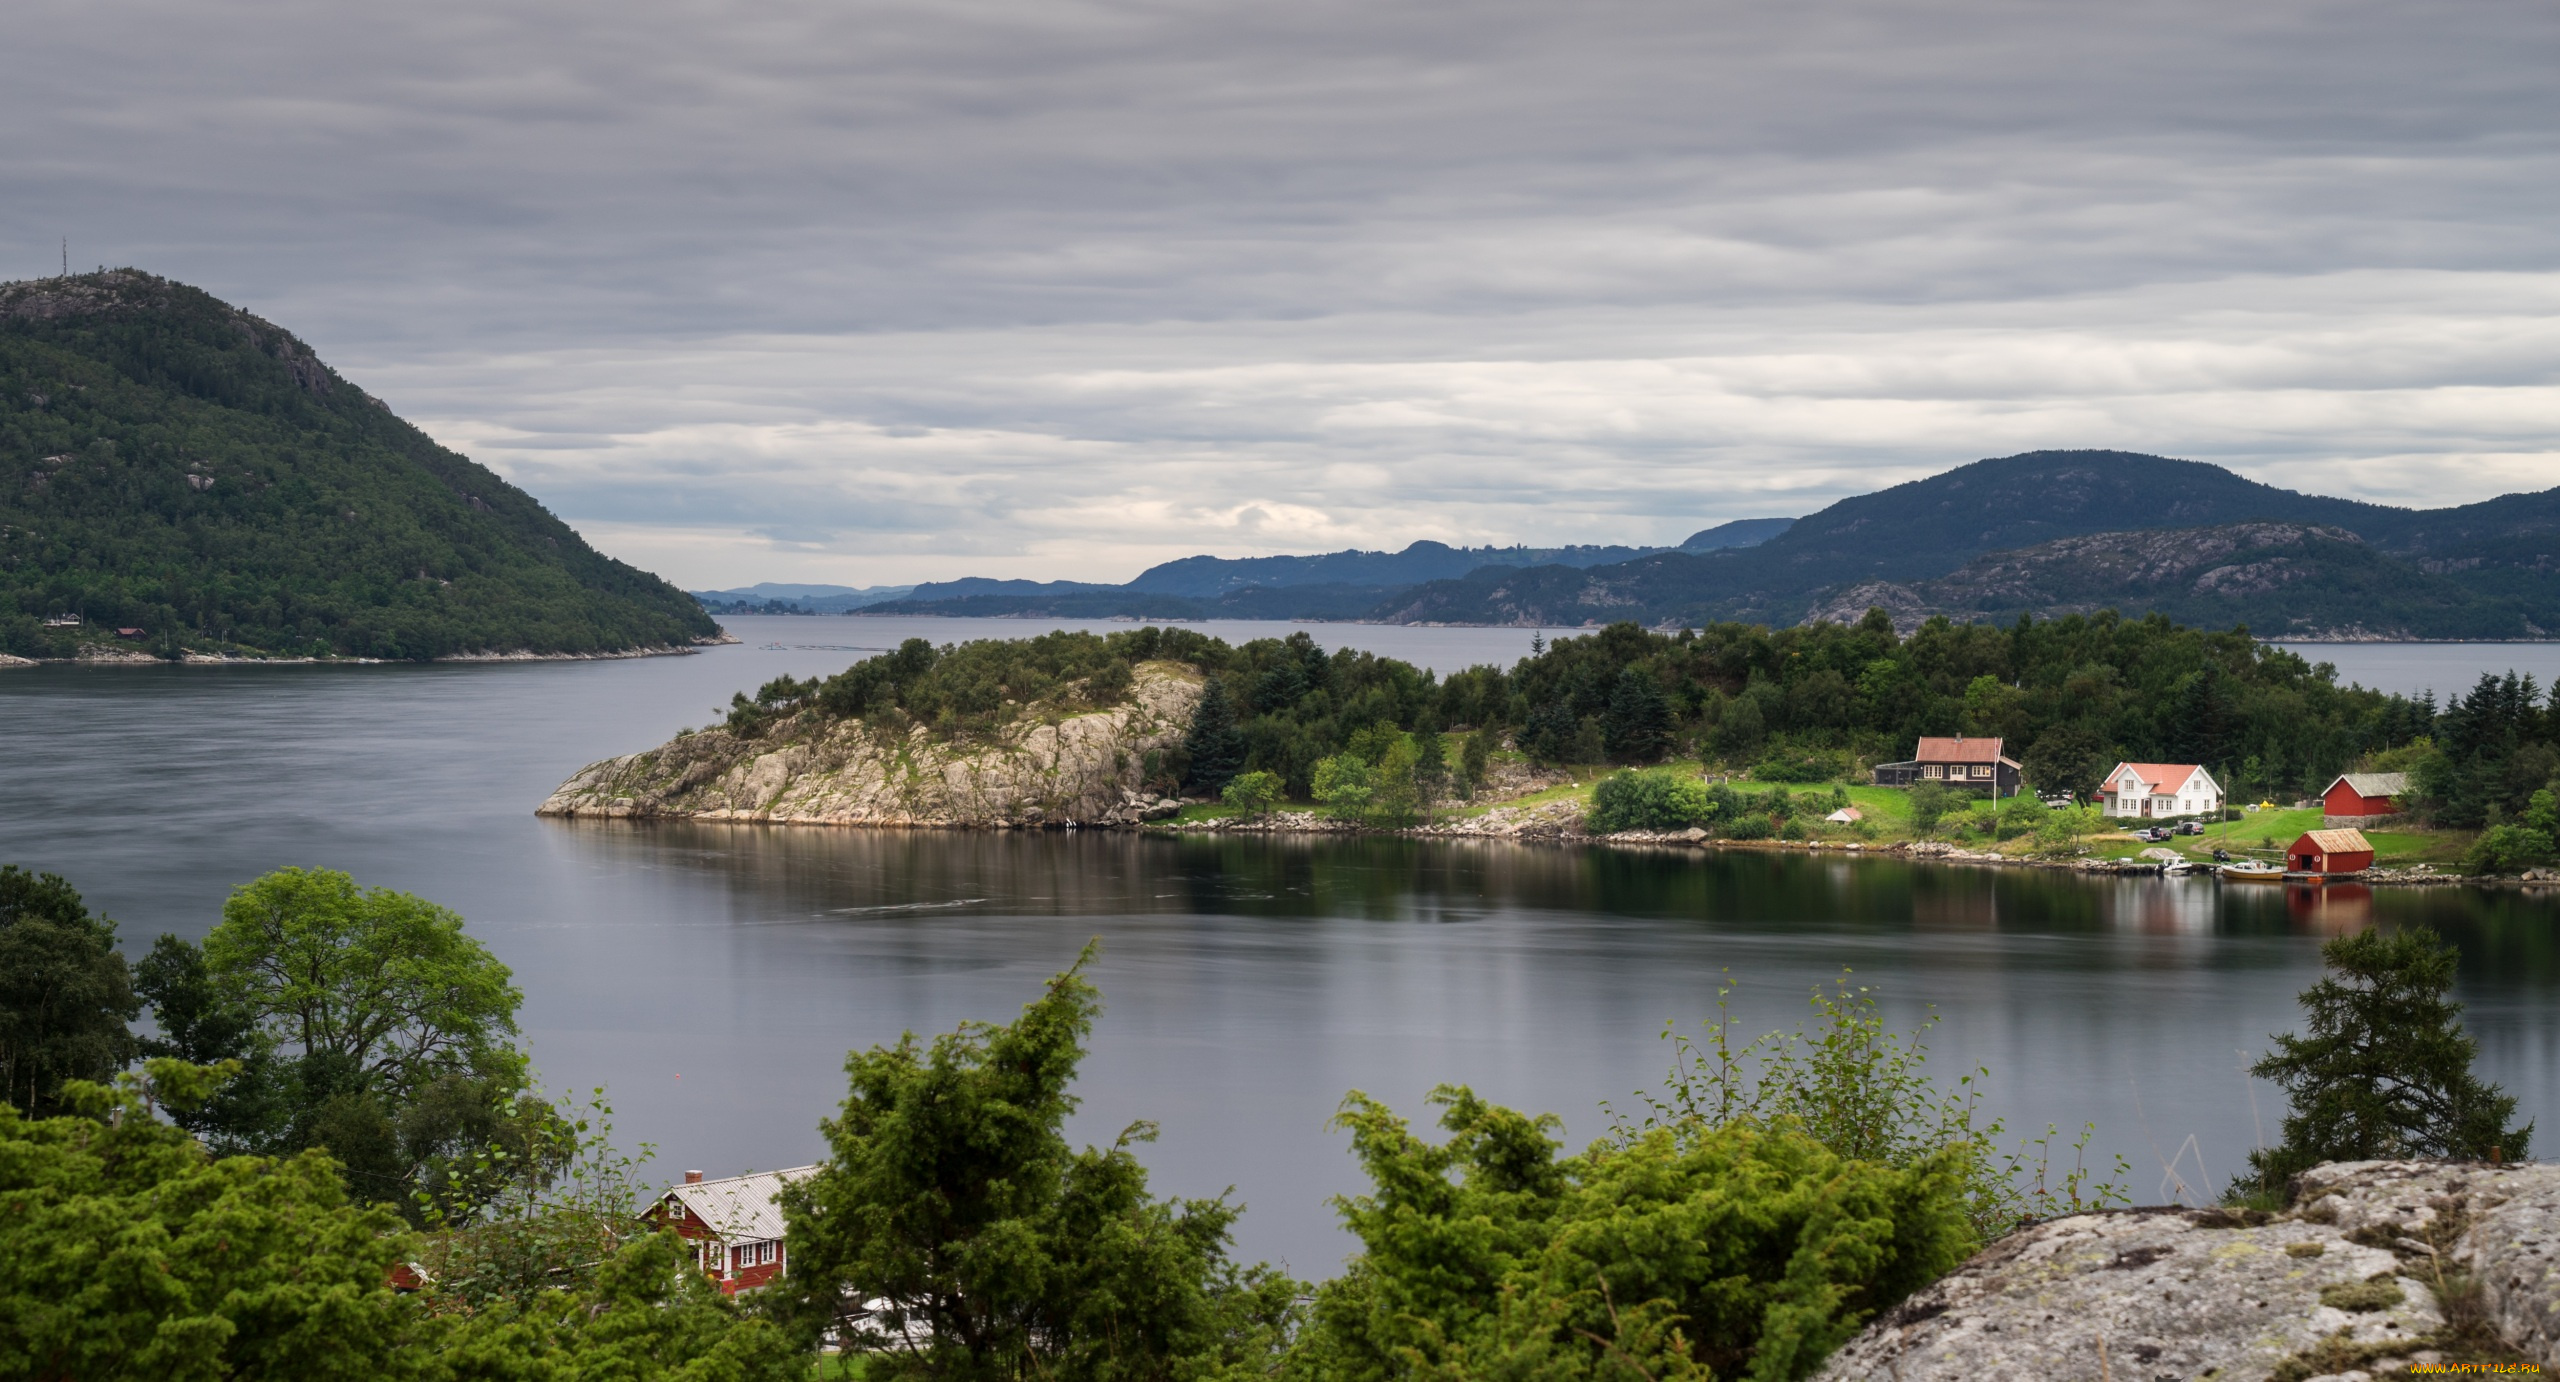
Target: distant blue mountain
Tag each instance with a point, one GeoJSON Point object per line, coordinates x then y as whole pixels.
{"type": "Point", "coordinates": [1206, 578]}
{"type": "Point", "coordinates": [969, 587]}
{"type": "Point", "coordinates": [779, 597]}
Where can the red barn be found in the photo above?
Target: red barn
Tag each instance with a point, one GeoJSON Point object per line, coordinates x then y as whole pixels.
{"type": "Point", "coordinates": [2329, 851]}
{"type": "Point", "coordinates": [2361, 796]}
{"type": "Point", "coordinates": [734, 1226]}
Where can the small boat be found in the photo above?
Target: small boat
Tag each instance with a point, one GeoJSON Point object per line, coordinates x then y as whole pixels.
{"type": "Point", "coordinates": [2252, 871]}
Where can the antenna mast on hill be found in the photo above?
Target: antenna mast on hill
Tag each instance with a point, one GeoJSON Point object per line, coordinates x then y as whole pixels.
{"type": "Point", "coordinates": [66, 256]}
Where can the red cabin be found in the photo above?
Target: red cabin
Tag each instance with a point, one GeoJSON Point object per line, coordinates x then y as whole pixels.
{"type": "Point", "coordinates": [2361, 796]}
{"type": "Point", "coordinates": [2329, 851]}
{"type": "Point", "coordinates": [734, 1226]}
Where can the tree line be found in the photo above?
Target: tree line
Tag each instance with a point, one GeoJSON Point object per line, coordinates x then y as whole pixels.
{"type": "Point", "coordinates": [1770, 1198]}
{"type": "Point", "coordinates": [2071, 696]}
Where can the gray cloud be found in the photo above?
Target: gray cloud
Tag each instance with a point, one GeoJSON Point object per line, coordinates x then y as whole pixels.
{"type": "Point", "coordinates": [891, 290]}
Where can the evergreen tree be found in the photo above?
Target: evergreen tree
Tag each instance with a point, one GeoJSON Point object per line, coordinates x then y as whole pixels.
{"type": "Point", "coordinates": [1637, 726]}
{"type": "Point", "coordinates": [2386, 1069]}
{"type": "Point", "coordinates": [65, 993]}
{"type": "Point", "coordinates": [1215, 745]}
{"type": "Point", "coordinates": [987, 1247]}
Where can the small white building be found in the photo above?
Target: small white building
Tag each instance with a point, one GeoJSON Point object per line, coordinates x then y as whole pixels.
{"type": "Point", "coordinates": [2160, 789]}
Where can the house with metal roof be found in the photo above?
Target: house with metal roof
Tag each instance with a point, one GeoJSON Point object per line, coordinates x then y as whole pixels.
{"type": "Point", "coordinates": [2159, 789]}
{"type": "Point", "coordinates": [734, 1225]}
{"type": "Point", "coordinates": [2363, 796]}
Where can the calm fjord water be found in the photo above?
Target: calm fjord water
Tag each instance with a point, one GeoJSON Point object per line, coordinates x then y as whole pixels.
{"type": "Point", "coordinates": [713, 977]}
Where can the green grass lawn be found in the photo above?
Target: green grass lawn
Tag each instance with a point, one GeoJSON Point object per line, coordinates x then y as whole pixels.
{"type": "Point", "coordinates": [840, 1367]}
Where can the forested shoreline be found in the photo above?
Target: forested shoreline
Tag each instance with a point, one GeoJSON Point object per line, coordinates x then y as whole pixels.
{"type": "Point", "coordinates": [1806, 705]}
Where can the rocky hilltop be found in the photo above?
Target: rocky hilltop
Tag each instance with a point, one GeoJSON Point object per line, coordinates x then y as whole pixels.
{"type": "Point", "coordinates": [1041, 769]}
{"type": "Point", "coordinates": [2378, 1268]}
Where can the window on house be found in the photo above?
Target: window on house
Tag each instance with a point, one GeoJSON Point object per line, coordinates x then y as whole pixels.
{"type": "Point", "coordinates": [1933, 770]}
{"type": "Point", "coordinates": [1980, 771]}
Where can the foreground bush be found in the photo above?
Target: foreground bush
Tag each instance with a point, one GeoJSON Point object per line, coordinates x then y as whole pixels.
{"type": "Point", "coordinates": [953, 1202]}
{"type": "Point", "coordinates": [1650, 799]}
{"type": "Point", "coordinates": [1740, 1251]}
{"type": "Point", "coordinates": [129, 1254]}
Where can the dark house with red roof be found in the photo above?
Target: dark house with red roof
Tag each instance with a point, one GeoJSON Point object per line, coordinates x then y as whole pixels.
{"type": "Point", "coordinates": [1958, 762]}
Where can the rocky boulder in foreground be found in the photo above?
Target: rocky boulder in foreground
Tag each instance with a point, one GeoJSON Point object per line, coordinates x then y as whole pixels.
{"type": "Point", "coordinates": [2378, 1266]}
{"type": "Point", "coordinates": [1038, 770]}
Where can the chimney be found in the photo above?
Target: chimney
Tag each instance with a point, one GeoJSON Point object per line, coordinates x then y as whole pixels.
{"type": "Point", "coordinates": [693, 1178]}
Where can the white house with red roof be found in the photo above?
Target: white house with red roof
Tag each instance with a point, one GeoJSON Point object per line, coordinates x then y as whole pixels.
{"type": "Point", "coordinates": [2159, 789]}
{"type": "Point", "coordinates": [734, 1225]}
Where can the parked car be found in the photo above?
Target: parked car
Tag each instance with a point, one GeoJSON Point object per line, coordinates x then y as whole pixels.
{"type": "Point", "coordinates": [2155, 834]}
{"type": "Point", "coordinates": [2190, 827]}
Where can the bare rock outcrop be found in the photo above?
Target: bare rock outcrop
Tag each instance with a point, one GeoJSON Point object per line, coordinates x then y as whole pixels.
{"type": "Point", "coordinates": [1041, 769]}
{"type": "Point", "coordinates": [2380, 1265]}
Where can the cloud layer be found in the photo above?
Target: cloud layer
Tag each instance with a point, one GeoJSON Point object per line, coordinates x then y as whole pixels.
{"type": "Point", "coordinates": [893, 291]}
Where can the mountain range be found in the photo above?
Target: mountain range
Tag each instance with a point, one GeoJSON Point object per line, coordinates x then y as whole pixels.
{"type": "Point", "coordinates": [181, 476]}
{"type": "Point", "coordinates": [2047, 533]}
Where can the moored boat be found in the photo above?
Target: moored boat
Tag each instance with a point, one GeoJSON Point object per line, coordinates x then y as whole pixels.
{"type": "Point", "coordinates": [2252, 871]}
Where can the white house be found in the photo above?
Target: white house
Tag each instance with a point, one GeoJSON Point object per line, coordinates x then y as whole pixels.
{"type": "Point", "coordinates": [2160, 789]}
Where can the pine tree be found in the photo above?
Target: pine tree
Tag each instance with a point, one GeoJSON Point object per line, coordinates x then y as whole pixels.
{"type": "Point", "coordinates": [2386, 1070]}
{"type": "Point", "coordinates": [1637, 725]}
{"type": "Point", "coordinates": [1215, 745]}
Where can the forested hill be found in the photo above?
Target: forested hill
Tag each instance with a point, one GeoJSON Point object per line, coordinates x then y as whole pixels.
{"type": "Point", "coordinates": [2485, 570]}
{"type": "Point", "coordinates": [174, 465]}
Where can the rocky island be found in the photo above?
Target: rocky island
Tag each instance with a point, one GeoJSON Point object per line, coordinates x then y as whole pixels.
{"type": "Point", "coordinates": [1050, 764]}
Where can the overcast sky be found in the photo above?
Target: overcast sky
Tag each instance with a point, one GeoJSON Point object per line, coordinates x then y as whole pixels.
{"type": "Point", "coordinates": [878, 292]}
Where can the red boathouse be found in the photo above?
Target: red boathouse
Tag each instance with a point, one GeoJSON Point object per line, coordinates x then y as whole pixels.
{"type": "Point", "coordinates": [2329, 851]}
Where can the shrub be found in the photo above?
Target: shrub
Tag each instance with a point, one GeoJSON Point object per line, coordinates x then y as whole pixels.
{"type": "Point", "coordinates": [1737, 1251]}
{"type": "Point", "coordinates": [1861, 1090]}
{"type": "Point", "coordinates": [1255, 794]}
{"type": "Point", "coordinates": [2508, 849]}
{"type": "Point", "coordinates": [1650, 799]}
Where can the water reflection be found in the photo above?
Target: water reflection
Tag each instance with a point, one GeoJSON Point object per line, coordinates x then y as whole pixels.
{"type": "Point", "coordinates": [1253, 980]}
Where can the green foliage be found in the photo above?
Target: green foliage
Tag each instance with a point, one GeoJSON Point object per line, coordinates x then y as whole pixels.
{"type": "Point", "coordinates": [128, 1253]}
{"type": "Point", "coordinates": [1735, 1251]}
{"type": "Point", "coordinates": [952, 1197]}
{"type": "Point", "coordinates": [1475, 762]}
{"type": "Point", "coordinates": [363, 1022]}
{"type": "Point", "coordinates": [1862, 1090]}
{"type": "Point", "coordinates": [2020, 815]}
{"type": "Point", "coordinates": [2386, 1069]}
{"type": "Point", "coordinates": [2066, 758]}
{"type": "Point", "coordinates": [182, 467]}
{"type": "Point", "coordinates": [2492, 750]}
{"type": "Point", "coordinates": [1637, 726]}
{"type": "Point", "coordinates": [1255, 794]}
{"type": "Point", "coordinates": [1650, 799]}
{"type": "Point", "coordinates": [643, 1317]}
{"type": "Point", "coordinates": [1930, 803]}
{"type": "Point", "coordinates": [65, 993]}
{"type": "Point", "coordinates": [1214, 746]}
{"type": "Point", "coordinates": [2509, 848]}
